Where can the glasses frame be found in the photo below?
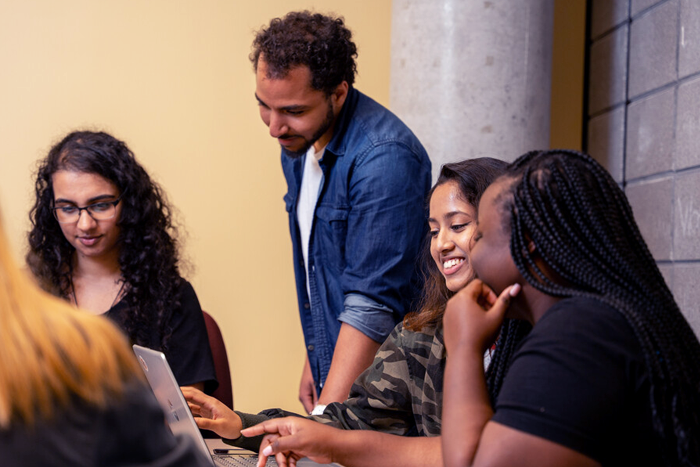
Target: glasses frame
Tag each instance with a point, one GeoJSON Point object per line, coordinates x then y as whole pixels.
{"type": "Point", "coordinates": [87, 210]}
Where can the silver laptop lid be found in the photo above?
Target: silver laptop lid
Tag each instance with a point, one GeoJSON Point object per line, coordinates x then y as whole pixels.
{"type": "Point", "coordinates": [164, 385]}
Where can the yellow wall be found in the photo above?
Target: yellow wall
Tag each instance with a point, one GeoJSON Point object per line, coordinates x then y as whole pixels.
{"type": "Point", "coordinates": [172, 79]}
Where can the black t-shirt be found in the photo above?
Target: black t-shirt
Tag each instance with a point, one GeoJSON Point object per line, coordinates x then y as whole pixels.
{"type": "Point", "coordinates": [579, 380]}
{"type": "Point", "coordinates": [130, 431]}
{"type": "Point", "coordinates": [188, 352]}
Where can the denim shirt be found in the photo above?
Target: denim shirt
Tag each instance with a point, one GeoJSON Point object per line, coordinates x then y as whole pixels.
{"type": "Point", "coordinates": [367, 230]}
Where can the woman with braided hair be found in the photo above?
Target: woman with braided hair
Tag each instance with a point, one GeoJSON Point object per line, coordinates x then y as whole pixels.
{"type": "Point", "coordinates": [102, 238]}
{"type": "Point", "coordinates": [610, 373]}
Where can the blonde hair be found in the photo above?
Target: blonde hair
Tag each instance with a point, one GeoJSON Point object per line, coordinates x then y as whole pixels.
{"type": "Point", "coordinates": [50, 352]}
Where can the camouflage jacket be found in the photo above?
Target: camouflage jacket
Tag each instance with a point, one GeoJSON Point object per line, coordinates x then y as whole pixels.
{"type": "Point", "coordinates": [401, 393]}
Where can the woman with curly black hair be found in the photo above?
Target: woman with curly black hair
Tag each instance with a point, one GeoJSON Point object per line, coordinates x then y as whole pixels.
{"type": "Point", "coordinates": [102, 238]}
{"type": "Point", "coordinates": [610, 373]}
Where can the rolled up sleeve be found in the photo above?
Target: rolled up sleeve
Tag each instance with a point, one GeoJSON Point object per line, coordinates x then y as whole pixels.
{"type": "Point", "coordinates": [368, 316]}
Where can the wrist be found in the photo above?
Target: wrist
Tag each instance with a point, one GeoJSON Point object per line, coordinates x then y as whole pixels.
{"type": "Point", "coordinates": [466, 349]}
{"type": "Point", "coordinates": [234, 427]}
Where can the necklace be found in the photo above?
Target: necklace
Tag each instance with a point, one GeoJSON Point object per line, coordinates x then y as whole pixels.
{"type": "Point", "coordinates": [114, 302]}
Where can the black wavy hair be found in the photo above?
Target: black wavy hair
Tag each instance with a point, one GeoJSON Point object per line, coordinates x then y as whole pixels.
{"type": "Point", "coordinates": [148, 249]}
{"type": "Point", "coordinates": [302, 38]}
{"type": "Point", "coordinates": [584, 231]}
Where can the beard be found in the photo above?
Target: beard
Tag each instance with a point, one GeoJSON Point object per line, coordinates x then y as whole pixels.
{"type": "Point", "coordinates": [322, 129]}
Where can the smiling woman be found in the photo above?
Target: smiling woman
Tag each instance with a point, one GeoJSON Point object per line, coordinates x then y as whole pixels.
{"type": "Point", "coordinates": [451, 230]}
{"type": "Point", "coordinates": [103, 239]}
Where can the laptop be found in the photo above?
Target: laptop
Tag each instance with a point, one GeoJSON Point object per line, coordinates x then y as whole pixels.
{"type": "Point", "coordinates": [179, 418]}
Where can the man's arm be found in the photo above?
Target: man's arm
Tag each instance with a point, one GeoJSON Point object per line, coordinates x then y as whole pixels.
{"type": "Point", "coordinates": [385, 229]}
{"type": "Point", "coordinates": [354, 352]}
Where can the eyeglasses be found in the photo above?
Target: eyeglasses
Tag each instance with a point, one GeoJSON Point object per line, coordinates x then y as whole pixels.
{"type": "Point", "coordinates": [101, 211]}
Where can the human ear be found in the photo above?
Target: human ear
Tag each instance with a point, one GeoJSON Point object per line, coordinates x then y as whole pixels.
{"type": "Point", "coordinates": [531, 247]}
{"type": "Point", "coordinates": [339, 94]}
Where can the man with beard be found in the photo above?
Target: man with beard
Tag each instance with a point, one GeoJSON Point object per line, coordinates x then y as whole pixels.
{"type": "Point", "coordinates": [357, 179]}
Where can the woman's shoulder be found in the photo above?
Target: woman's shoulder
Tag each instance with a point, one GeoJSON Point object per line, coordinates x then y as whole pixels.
{"type": "Point", "coordinates": [415, 347]}
{"type": "Point", "coordinates": [586, 321]}
{"type": "Point", "coordinates": [185, 288]}
{"type": "Point", "coordinates": [587, 311]}
{"type": "Point", "coordinates": [148, 439]}
{"type": "Point", "coordinates": [189, 301]}
{"type": "Point", "coordinates": [184, 284]}
{"type": "Point", "coordinates": [410, 339]}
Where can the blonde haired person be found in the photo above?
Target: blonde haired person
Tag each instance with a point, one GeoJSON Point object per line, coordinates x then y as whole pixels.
{"type": "Point", "coordinates": [71, 391]}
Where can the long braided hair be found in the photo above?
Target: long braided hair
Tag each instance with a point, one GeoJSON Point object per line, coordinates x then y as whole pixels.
{"type": "Point", "coordinates": [148, 246]}
{"type": "Point", "coordinates": [512, 332]}
{"type": "Point", "coordinates": [582, 224]}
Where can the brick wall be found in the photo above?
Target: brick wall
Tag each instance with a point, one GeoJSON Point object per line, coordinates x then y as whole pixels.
{"type": "Point", "coordinates": [644, 126]}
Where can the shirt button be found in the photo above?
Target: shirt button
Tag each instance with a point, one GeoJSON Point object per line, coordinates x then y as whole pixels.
{"type": "Point", "coordinates": [307, 306]}
{"type": "Point", "coordinates": [310, 347]}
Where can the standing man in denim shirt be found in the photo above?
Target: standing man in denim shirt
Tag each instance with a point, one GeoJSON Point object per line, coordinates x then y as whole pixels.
{"type": "Point", "coordinates": [357, 179]}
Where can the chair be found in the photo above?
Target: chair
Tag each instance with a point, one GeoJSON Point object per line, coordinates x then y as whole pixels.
{"type": "Point", "coordinates": [218, 350]}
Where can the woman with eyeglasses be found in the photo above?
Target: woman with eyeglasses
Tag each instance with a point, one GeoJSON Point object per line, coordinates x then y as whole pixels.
{"type": "Point", "coordinates": [102, 238]}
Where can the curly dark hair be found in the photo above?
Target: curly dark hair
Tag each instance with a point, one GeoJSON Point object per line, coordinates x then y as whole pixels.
{"type": "Point", "coordinates": [148, 249]}
{"type": "Point", "coordinates": [302, 38]}
{"type": "Point", "coordinates": [585, 232]}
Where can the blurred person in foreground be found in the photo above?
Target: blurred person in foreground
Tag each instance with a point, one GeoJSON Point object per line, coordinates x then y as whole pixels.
{"type": "Point", "coordinates": [71, 391]}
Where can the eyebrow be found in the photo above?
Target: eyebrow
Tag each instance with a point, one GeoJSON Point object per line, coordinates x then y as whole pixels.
{"type": "Point", "coordinates": [285, 108]}
{"type": "Point", "coordinates": [450, 215]}
{"type": "Point", "coordinates": [260, 101]}
{"type": "Point", "coordinates": [90, 201]}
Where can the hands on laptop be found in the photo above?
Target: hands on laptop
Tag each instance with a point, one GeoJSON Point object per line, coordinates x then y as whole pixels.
{"type": "Point", "coordinates": [291, 438]}
{"type": "Point", "coordinates": [211, 414]}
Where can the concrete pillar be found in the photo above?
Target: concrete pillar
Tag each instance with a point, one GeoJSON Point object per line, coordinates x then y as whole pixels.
{"type": "Point", "coordinates": [471, 77]}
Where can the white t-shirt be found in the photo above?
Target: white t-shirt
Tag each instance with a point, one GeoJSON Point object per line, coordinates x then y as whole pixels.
{"type": "Point", "coordinates": [306, 204]}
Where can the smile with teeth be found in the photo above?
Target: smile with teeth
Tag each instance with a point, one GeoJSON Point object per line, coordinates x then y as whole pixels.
{"type": "Point", "coordinates": [450, 263]}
